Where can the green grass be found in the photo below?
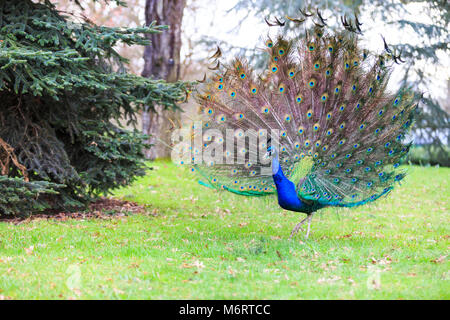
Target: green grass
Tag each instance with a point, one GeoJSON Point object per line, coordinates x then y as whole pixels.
{"type": "Point", "coordinates": [198, 243]}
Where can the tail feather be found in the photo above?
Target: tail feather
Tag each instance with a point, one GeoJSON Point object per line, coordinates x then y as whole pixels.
{"type": "Point", "coordinates": [329, 100]}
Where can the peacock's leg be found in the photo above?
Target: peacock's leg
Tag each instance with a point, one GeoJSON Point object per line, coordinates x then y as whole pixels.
{"type": "Point", "coordinates": [309, 225]}
{"type": "Point", "coordinates": [297, 227]}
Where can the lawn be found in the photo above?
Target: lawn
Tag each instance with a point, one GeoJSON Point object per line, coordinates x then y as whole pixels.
{"type": "Point", "coordinates": [197, 243]}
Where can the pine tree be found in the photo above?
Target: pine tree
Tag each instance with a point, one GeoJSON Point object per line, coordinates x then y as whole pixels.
{"type": "Point", "coordinates": [64, 92]}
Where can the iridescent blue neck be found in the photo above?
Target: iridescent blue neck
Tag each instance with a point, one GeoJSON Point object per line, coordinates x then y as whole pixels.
{"type": "Point", "coordinates": [287, 194]}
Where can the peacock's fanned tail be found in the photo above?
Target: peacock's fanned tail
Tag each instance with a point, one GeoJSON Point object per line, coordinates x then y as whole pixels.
{"type": "Point", "coordinates": [342, 133]}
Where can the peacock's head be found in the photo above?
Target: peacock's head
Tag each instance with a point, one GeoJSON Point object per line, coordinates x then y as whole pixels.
{"type": "Point", "coordinates": [272, 151]}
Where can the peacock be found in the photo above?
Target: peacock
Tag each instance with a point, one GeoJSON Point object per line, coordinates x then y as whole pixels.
{"type": "Point", "coordinates": [318, 127]}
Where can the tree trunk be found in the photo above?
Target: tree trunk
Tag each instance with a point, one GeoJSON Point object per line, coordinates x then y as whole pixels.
{"type": "Point", "coordinates": [162, 61]}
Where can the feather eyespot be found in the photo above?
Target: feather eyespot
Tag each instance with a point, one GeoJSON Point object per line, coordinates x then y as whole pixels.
{"type": "Point", "coordinates": [281, 88]}
{"type": "Point", "coordinates": [324, 97]}
{"type": "Point", "coordinates": [281, 52]}
{"type": "Point", "coordinates": [324, 148]}
{"type": "Point", "coordinates": [346, 65]}
{"type": "Point", "coordinates": [342, 108]}
{"type": "Point", "coordinates": [330, 49]}
{"type": "Point", "coordinates": [329, 115]}
{"type": "Point", "coordinates": [312, 83]}
{"type": "Point", "coordinates": [274, 68]}
{"type": "Point", "coordinates": [317, 65]}
{"type": "Point", "coordinates": [309, 113]}
{"type": "Point", "coordinates": [396, 101]}
{"type": "Point", "coordinates": [354, 87]}
{"type": "Point", "coordinates": [329, 132]}
{"type": "Point", "coordinates": [275, 58]}
{"type": "Point", "coordinates": [221, 118]}
{"type": "Point", "coordinates": [239, 116]}
{"type": "Point", "coordinates": [355, 62]}
{"type": "Point", "coordinates": [370, 89]}
{"type": "Point", "coordinates": [291, 73]}
{"type": "Point", "coordinates": [253, 90]}
{"type": "Point", "coordinates": [209, 111]}
{"type": "Point", "coordinates": [220, 87]}
{"type": "Point", "coordinates": [265, 110]}
{"type": "Point", "coordinates": [342, 126]}
{"type": "Point", "coordinates": [362, 126]}
{"type": "Point", "coordinates": [337, 89]}
{"type": "Point", "coordinates": [299, 98]}
{"type": "Point", "coordinates": [269, 43]}
{"type": "Point", "coordinates": [301, 130]}
{"type": "Point", "coordinates": [297, 145]}
{"type": "Point", "coordinates": [358, 105]}
{"type": "Point", "coordinates": [311, 47]}
{"type": "Point", "coordinates": [242, 76]}
{"type": "Point", "coordinates": [287, 118]}
{"type": "Point", "coordinates": [318, 142]}
{"type": "Point", "coordinates": [327, 72]}
{"type": "Point", "coordinates": [307, 143]}
{"type": "Point", "coordinates": [316, 127]}
{"type": "Point", "coordinates": [341, 142]}
{"type": "Point", "coordinates": [232, 93]}
{"type": "Point", "coordinates": [380, 112]}
{"type": "Point", "coordinates": [283, 134]}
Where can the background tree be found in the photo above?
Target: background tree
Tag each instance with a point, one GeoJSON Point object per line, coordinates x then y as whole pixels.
{"type": "Point", "coordinates": [162, 61]}
{"type": "Point", "coordinates": [63, 92]}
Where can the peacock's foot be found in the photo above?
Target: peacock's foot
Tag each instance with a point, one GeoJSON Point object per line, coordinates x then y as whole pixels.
{"type": "Point", "coordinates": [298, 227]}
